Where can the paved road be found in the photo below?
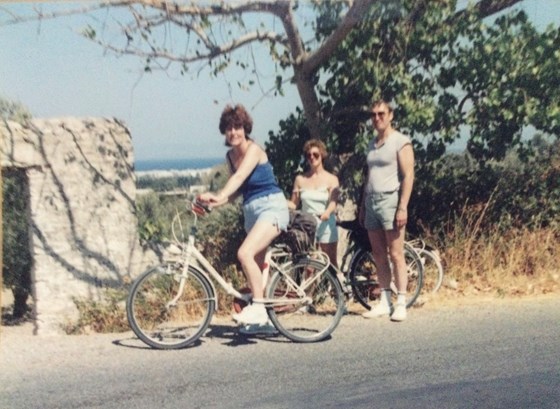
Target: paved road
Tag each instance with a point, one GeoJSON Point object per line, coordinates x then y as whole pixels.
{"type": "Point", "coordinates": [503, 354]}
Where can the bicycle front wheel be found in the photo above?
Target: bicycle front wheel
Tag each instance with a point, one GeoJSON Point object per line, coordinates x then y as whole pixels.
{"type": "Point", "coordinates": [168, 308]}
{"type": "Point", "coordinates": [308, 301]}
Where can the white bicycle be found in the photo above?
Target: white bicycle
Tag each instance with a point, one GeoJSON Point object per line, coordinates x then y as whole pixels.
{"type": "Point", "coordinates": [171, 305]}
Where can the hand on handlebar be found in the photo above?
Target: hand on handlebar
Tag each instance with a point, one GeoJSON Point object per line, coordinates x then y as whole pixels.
{"type": "Point", "coordinates": [201, 207]}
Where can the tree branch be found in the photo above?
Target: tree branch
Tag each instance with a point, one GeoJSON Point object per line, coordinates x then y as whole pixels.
{"type": "Point", "coordinates": [484, 8]}
{"type": "Point", "coordinates": [214, 50]}
{"type": "Point", "coordinates": [224, 8]}
{"type": "Point", "coordinates": [354, 15]}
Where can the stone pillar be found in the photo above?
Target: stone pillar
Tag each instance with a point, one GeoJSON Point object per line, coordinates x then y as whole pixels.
{"type": "Point", "coordinates": [83, 223]}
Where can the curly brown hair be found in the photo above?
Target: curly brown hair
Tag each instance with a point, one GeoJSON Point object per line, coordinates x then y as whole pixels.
{"type": "Point", "coordinates": [236, 116]}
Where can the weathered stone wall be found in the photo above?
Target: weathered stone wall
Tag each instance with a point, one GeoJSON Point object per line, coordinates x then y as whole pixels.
{"type": "Point", "coordinates": [82, 220]}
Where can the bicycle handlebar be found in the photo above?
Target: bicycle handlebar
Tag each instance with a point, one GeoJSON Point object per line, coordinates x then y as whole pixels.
{"type": "Point", "coordinates": [200, 208]}
{"type": "Point", "coordinates": [352, 225]}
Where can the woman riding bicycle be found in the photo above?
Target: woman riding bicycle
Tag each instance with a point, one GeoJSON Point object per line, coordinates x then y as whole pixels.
{"type": "Point", "coordinates": [264, 206]}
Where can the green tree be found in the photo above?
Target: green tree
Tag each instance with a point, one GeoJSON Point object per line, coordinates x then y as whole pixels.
{"type": "Point", "coordinates": [213, 35]}
{"type": "Point", "coordinates": [451, 73]}
{"type": "Point", "coordinates": [486, 79]}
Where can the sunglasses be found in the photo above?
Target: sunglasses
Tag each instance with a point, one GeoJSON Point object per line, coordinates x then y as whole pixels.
{"type": "Point", "coordinates": [381, 114]}
{"type": "Point", "coordinates": [314, 155]}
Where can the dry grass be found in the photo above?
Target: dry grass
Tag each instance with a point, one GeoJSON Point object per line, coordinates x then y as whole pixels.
{"type": "Point", "coordinates": [480, 266]}
{"type": "Point", "coordinates": [499, 262]}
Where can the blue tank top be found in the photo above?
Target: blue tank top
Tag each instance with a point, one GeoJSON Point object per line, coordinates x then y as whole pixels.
{"type": "Point", "coordinates": [261, 182]}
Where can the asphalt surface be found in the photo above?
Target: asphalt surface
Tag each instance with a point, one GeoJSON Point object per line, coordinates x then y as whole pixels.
{"type": "Point", "coordinates": [488, 354]}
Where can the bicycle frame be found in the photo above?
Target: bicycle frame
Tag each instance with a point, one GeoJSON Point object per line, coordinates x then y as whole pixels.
{"type": "Point", "coordinates": [191, 254]}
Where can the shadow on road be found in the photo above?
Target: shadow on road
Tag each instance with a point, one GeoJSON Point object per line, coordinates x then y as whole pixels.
{"type": "Point", "coordinates": [230, 334]}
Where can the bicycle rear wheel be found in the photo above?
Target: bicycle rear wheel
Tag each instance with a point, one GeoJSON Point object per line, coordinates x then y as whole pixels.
{"type": "Point", "coordinates": [415, 275]}
{"type": "Point", "coordinates": [167, 309]}
{"type": "Point", "coordinates": [433, 270]}
{"type": "Point", "coordinates": [365, 283]}
{"type": "Point", "coordinates": [310, 318]}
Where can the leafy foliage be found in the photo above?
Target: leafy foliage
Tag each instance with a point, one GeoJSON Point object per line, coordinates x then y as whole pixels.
{"type": "Point", "coordinates": [287, 157]}
{"type": "Point", "coordinates": [154, 214]}
{"type": "Point", "coordinates": [483, 79]}
{"type": "Point", "coordinates": [219, 233]}
{"type": "Point", "coordinates": [451, 76]}
{"type": "Point", "coordinates": [103, 316]}
{"type": "Point", "coordinates": [511, 193]}
{"type": "Point", "coordinates": [13, 111]}
{"type": "Point", "coordinates": [17, 261]}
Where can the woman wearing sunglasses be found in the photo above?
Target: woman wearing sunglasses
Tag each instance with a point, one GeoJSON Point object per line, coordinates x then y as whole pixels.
{"type": "Point", "coordinates": [384, 207]}
{"type": "Point", "coordinates": [317, 192]}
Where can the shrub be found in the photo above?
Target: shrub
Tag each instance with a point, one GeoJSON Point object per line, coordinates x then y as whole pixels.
{"type": "Point", "coordinates": [105, 315]}
{"type": "Point", "coordinates": [17, 260]}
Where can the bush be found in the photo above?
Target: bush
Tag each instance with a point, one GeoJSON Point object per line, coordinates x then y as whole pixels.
{"type": "Point", "coordinates": [106, 315]}
{"type": "Point", "coordinates": [514, 193]}
{"type": "Point", "coordinates": [17, 260]}
{"type": "Point", "coordinates": [155, 213]}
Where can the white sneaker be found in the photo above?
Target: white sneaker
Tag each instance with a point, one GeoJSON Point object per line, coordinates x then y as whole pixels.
{"type": "Point", "coordinates": [255, 329]}
{"type": "Point", "coordinates": [379, 310]}
{"type": "Point", "coordinates": [252, 314]}
{"type": "Point", "coordinates": [399, 314]}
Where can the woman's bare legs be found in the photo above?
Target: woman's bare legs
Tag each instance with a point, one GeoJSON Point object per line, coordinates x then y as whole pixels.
{"type": "Point", "coordinates": [387, 248]}
{"type": "Point", "coordinates": [395, 242]}
{"type": "Point", "coordinates": [378, 243]}
{"type": "Point", "coordinates": [251, 254]}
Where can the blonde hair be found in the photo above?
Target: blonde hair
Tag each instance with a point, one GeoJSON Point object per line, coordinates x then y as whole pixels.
{"type": "Point", "coordinates": [316, 143]}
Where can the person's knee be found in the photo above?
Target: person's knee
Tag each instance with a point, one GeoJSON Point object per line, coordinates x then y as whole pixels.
{"type": "Point", "coordinates": [396, 255]}
{"type": "Point", "coordinates": [243, 254]}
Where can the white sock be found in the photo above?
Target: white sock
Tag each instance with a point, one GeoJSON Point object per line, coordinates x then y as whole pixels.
{"type": "Point", "coordinates": [401, 298]}
{"type": "Point", "coordinates": [385, 296]}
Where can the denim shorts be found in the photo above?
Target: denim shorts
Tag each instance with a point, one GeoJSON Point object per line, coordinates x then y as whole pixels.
{"type": "Point", "coordinates": [272, 208]}
{"type": "Point", "coordinates": [327, 231]}
{"type": "Point", "coordinates": [381, 209]}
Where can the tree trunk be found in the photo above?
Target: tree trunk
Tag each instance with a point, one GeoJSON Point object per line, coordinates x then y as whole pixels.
{"type": "Point", "coordinates": [306, 65]}
{"type": "Point", "coordinates": [311, 107]}
{"type": "Point", "coordinates": [303, 78]}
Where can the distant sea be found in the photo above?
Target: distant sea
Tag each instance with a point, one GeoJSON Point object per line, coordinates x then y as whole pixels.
{"type": "Point", "coordinates": [176, 164]}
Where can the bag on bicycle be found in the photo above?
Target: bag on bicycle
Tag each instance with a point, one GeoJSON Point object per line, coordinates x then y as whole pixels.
{"type": "Point", "coordinates": [300, 235]}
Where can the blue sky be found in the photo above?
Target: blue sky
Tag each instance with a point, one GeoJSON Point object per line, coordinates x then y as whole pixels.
{"type": "Point", "coordinates": [55, 72]}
